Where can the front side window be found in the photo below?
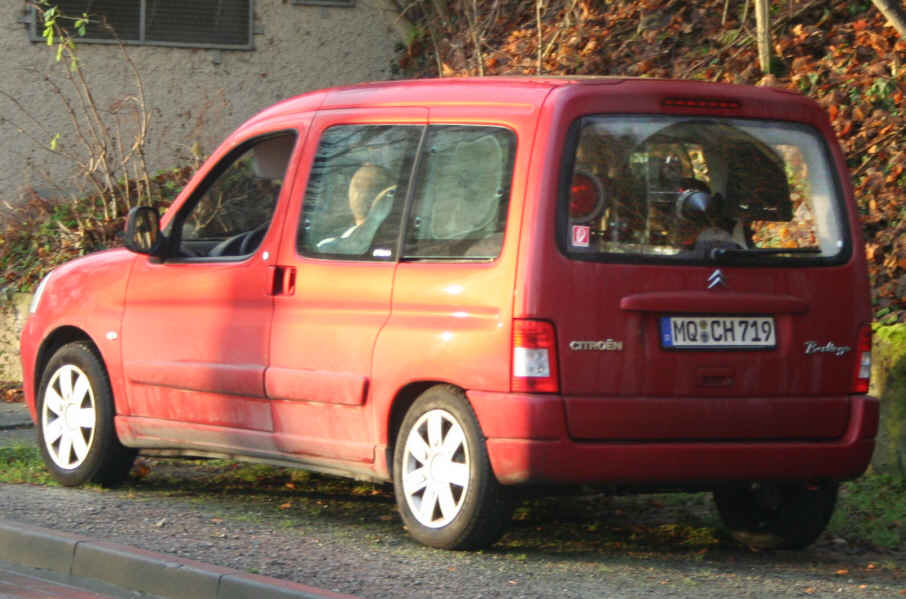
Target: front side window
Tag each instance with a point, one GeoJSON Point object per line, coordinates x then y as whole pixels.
{"type": "Point", "coordinates": [230, 213]}
{"type": "Point", "coordinates": [700, 189]}
{"type": "Point", "coordinates": [462, 193]}
{"type": "Point", "coordinates": [357, 191]}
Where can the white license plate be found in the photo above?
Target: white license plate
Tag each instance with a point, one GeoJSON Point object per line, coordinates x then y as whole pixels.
{"type": "Point", "coordinates": [718, 332]}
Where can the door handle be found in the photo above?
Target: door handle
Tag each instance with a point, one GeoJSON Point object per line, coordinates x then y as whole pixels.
{"type": "Point", "coordinates": [284, 280]}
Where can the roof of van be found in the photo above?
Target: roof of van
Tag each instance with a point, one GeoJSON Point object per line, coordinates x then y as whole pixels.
{"type": "Point", "coordinates": [496, 91]}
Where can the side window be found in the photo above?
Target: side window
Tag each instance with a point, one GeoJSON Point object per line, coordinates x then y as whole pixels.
{"type": "Point", "coordinates": [357, 191]}
{"type": "Point", "coordinates": [462, 194]}
{"type": "Point", "coordinates": [231, 213]}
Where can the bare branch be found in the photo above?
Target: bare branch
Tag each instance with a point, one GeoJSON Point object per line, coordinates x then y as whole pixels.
{"type": "Point", "coordinates": [894, 14]}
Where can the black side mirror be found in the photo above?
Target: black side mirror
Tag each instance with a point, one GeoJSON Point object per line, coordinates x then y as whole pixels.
{"type": "Point", "coordinates": [142, 234]}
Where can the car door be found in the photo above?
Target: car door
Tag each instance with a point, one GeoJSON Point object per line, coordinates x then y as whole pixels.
{"type": "Point", "coordinates": [338, 274]}
{"type": "Point", "coordinates": [197, 323]}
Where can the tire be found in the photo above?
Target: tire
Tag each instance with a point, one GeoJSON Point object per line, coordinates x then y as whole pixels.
{"type": "Point", "coordinates": [777, 516]}
{"type": "Point", "coordinates": [75, 429]}
{"type": "Point", "coordinates": [445, 489]}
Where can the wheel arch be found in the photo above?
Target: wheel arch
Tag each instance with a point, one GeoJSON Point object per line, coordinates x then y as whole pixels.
{"type": "Point", "coordinates": [54, 341]}
{"type": "Point", "coordinates": [401, 403]}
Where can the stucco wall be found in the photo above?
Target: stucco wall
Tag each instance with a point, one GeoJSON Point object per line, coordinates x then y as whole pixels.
{"type": "Point", "coordinates": [196, 96]}
{"type": "Point", "coordinates": [13, 312]}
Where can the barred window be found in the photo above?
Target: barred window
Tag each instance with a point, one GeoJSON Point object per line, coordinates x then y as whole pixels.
{"type": "Point", "coordinates": [224, 24]}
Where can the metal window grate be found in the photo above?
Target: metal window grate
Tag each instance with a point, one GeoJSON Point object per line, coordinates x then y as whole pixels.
{"type": "Point", "coordinates": [226, 24]}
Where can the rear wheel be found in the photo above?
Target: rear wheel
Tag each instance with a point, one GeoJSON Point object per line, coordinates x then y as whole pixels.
{"type": "Point", "coordinates": [777, 516]}
{"type": "Point", "coordinates": [446, 492]}
{"type": "Point", "coordinates": [75, 420]}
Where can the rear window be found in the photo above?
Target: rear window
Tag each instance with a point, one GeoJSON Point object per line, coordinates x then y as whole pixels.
{"type": "Point", "coordinates": [693, 189]}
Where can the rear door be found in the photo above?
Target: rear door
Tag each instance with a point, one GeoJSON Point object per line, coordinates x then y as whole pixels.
{"type": "Point", "coordinates": [707, 282]}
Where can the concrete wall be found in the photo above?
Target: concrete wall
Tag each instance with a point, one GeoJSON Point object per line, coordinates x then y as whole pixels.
{"type": "Point", "coordinates": [13, 312]}
{"type": "Point", "coordinates": [196, 96]}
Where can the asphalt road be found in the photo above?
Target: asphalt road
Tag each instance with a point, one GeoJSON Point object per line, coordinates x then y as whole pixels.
{"type": "Point", "coordinates": [17, 582]}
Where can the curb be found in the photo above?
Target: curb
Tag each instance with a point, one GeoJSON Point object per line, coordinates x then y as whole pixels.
{"type": "Point", "coordinates": [140, 570]}
{"type": "Point", "coordinates": [14, 416]}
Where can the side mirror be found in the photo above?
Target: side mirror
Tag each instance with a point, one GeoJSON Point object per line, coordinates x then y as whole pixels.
{"type": "Point", "coordinates": [142, 234]}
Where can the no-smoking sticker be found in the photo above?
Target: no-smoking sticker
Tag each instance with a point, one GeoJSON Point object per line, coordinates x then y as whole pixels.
{"type": "Point", "coordinates": [581, 235]}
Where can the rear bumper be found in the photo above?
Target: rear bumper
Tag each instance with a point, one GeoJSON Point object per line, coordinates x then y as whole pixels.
{"type": "Point", "coordinates": [528, 443]}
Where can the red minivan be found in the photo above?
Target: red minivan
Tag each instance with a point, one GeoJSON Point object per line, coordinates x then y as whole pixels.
{"type": "Point", "coordinates": [470, 287]}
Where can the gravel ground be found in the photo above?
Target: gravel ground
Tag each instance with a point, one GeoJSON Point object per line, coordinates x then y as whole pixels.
{"type": "Point", "coordinates": [377, 559]}
{"type": "Point", "coordinates": [361, 548]}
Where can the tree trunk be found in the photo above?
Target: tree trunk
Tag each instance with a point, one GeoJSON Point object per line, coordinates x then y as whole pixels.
{"type": "Point", "coordinates": [763, 34]}
{"type": "Point", "coordinates": [894, 14]}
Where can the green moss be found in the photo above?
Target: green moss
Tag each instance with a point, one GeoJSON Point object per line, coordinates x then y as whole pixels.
{"type": "Point", "coordinates": [889, 384]}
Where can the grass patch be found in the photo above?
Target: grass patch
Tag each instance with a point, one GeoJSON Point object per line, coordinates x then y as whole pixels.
{"type": "Point", "coordinates": [872, 510]}
{"type": "Point", "coordinates": [22, 464]}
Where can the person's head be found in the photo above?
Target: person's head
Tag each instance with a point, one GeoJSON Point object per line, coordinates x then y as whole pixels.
{"type": "Point", "coordinates": [366, 183]}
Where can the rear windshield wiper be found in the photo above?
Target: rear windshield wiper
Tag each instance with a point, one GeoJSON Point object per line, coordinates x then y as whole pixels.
{"type": "Point", "coordinates": [723, 254]}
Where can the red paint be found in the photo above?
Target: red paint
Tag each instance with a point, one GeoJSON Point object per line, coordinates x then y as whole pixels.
{"type": "Point", "coordinates": [302, 359]}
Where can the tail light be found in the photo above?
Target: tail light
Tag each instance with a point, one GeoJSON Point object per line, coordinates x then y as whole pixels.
{"type": "Point", "coordinates": [534, 367]}
{"type": "Point", "coordinates": [705, 103]}
{"type": "Point", "coordinates": [862, 372]}
{"type": "Point", "coordinates": [585, 198]}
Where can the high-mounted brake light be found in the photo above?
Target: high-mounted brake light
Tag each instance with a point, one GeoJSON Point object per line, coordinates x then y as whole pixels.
{"type": "Point", "coordinates": [862, 371]}
{"type": "Point", "coordinates": [534, 364]}
{"type": "Point", "coordinates": [702, 103]}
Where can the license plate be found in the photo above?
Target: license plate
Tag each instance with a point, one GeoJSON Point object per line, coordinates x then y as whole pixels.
{"type": "Point", "coordinates": [718, 332]}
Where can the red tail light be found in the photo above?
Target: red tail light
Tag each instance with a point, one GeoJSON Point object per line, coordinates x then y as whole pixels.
{"type": "Point", "coordinates": [534, 366]}
{"type": "Point", "coordinates": [862, 371]}
{"type": "Point", "coordinates": [584, 198]}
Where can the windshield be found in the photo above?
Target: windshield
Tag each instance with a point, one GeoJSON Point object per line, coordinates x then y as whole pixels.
{"type": "Point", "coordinates": [701, 189]}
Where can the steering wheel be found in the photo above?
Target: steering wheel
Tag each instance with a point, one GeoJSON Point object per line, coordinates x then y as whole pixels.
{"type": "Point", "coordinates": [252, 239]}
{"type": "Point", "coordinates": [240, 244]}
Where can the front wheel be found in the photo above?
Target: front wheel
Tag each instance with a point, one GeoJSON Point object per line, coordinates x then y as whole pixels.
{"type": "Point", "coordinates": [75, 420]}
{"type": "Point", "coordinates": [777, 516]}
{"type": "Point", "coordinates": [447, 494]}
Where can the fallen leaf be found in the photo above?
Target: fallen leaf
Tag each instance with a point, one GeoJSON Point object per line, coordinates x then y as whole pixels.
{"type": "Point", "coordinates": [841, 572]}
{"type": "Point", "coordinates": [286, 506]}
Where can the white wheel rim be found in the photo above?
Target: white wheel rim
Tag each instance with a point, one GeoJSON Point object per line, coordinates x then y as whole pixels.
{"type": "Point", "coordinates": [435, 469]}
{"type": "Point", "coordinates": [68, 417]}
